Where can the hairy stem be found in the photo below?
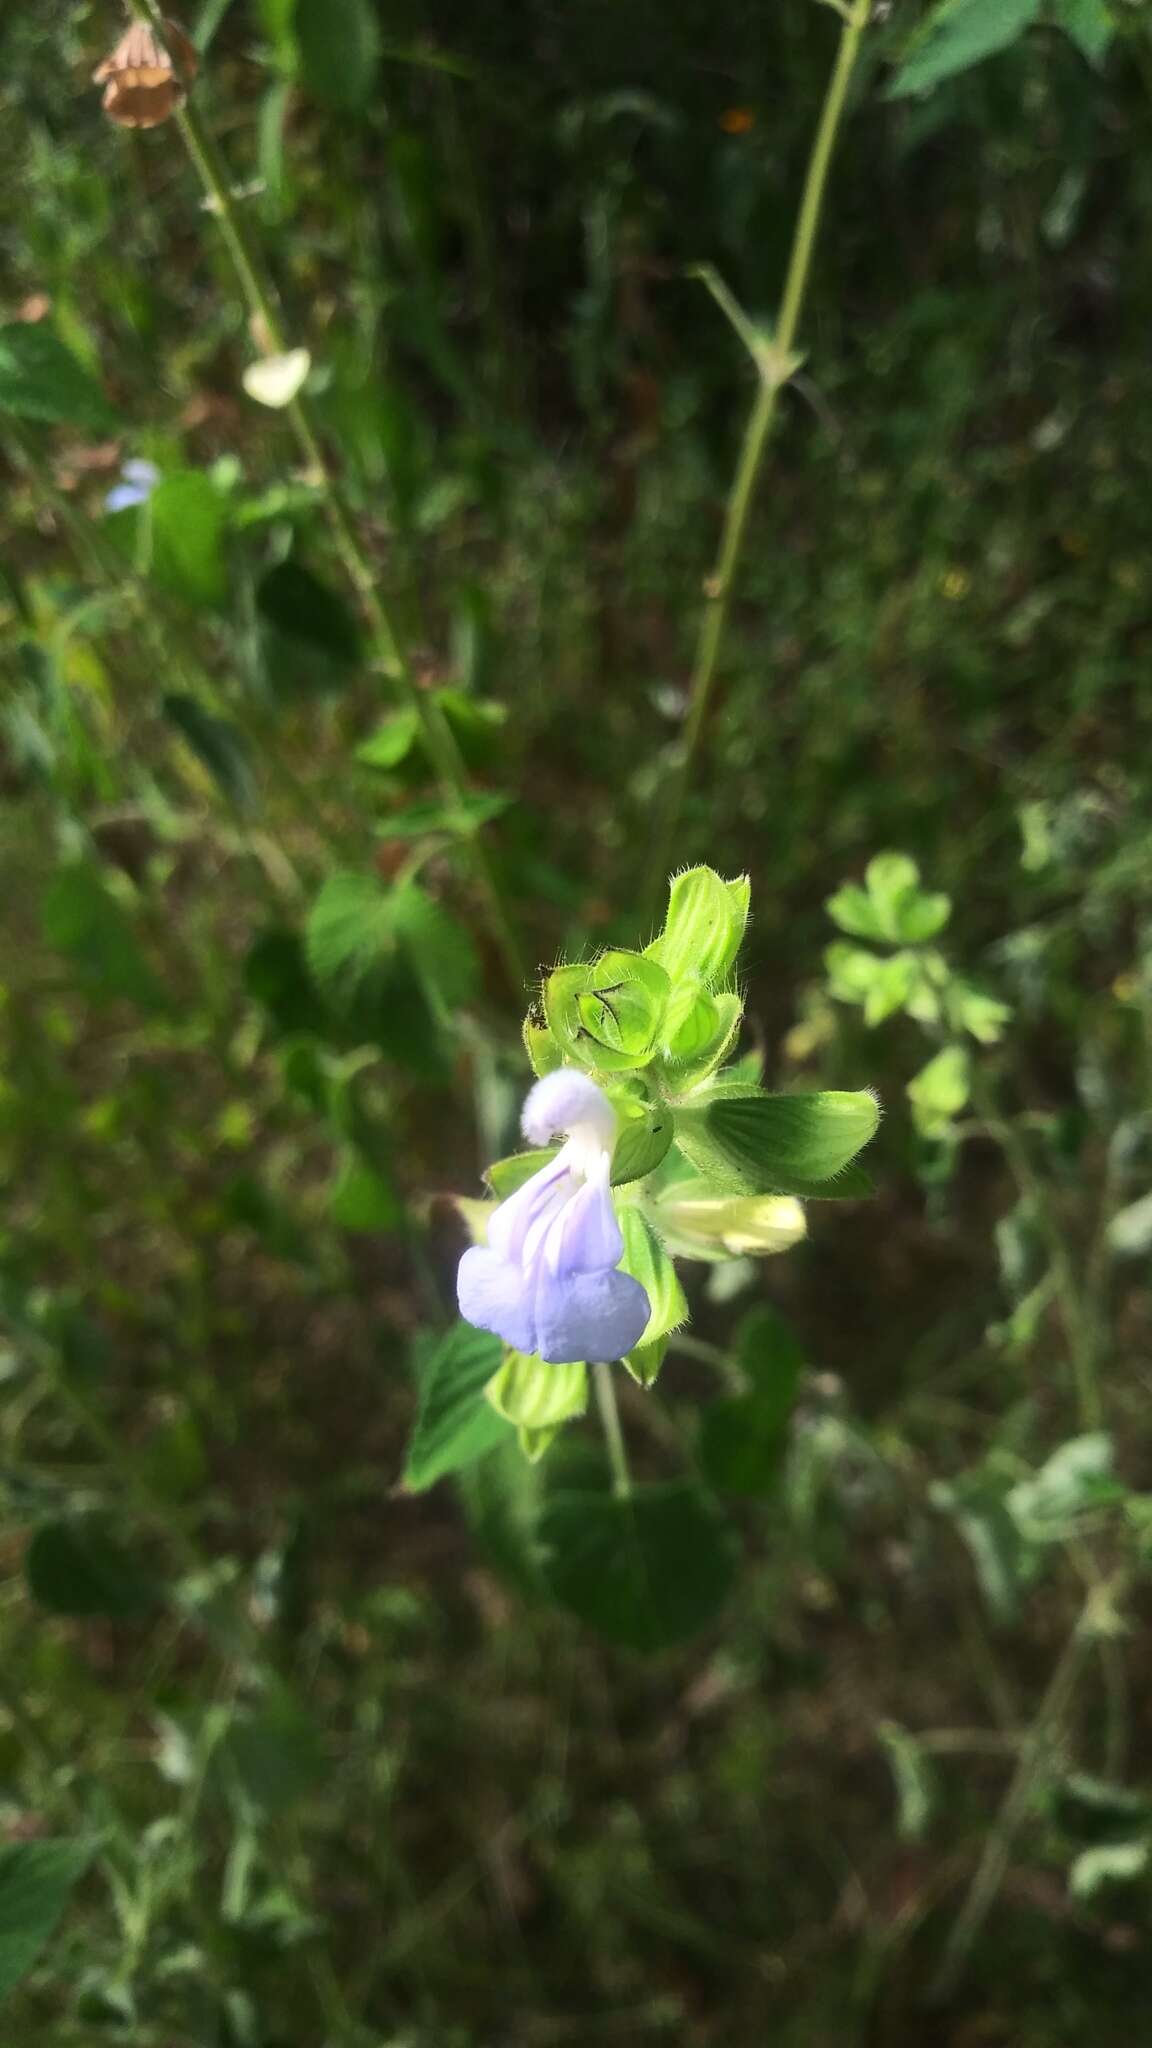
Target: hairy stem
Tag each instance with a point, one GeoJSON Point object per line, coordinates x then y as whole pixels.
{"type": "Point", "coordinates": [1077, 1311]}
{"type": "Point", "coordinates": [439, 739]}
{"type": "Point", "coordinates": [613, 1434]}
{"type": "Point", "coordinates": [1037, 1759]}
{"type": "Point", "coordinates": [775, 367]}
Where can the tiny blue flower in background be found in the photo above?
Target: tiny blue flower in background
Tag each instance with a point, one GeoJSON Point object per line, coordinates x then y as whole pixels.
{"type": "Point", "coordinates": [138, 480]}
{"type": "Point", "coordinates": [547, 1279]}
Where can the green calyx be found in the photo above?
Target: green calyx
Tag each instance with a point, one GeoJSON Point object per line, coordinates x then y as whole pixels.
{"type": "Point", "coordinates": [706, 1164]}
{"type": "Point", "coordinates": [668, 1012]}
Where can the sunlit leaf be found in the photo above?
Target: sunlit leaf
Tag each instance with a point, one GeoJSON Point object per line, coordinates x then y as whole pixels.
{"type": "Point", "coordinates": [186, 521]}
{"type": "Point", "coordinates": [780, 1144]}
{"type": "Point", "coordinates": [958, 34]}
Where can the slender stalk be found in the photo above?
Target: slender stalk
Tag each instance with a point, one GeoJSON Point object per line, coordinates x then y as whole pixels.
{"type": "Point", "coordinates": [1036, 1760]}
{"type": "Point", "coordinates": [776, 366]}
{"type": "Point", "coordinates": [439, 739]}
{"type": "Point", "coordinates": [1077, 1313]}
{"type": "Point", "coordinates": [613, 1434]}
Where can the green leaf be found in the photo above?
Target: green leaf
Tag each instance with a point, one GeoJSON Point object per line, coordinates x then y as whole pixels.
{"type": "Point", "coordinates": [647, 1261]}
{"type": "Point", "coordinates": [276, 976]}
{"type": "Point", "coordinates": [1130, 1230]}
{"type": "Point", "coordinates": [743, 1438]}
{"type": "Point", "coordinates": [440, 950]}
{"type": "Point", "coordinates": [455, 1423]}
{"type": "Point", "coordinates": [915, 1788]}
{"type": "Point", "coordinates": [340, 49]}
{"type": "Point", "coordinates": [940, 1090]}
{"type": "Point", "coordinates": [1108, 1863]}
{"type": "Point", "coordinates": [35, 1881]}
{"type": "Point", "coordinates": [971, 1010]}
{"type": "Point", "coordinates": [83, 918]}
{"type": "Point", "coordinates": [779, 1144]}
{"type": "Point", "coordinates": [641, 1145]}
{"type": "Point", "coordinates": [311, 639]}
{"type": "Point", "coordinates": [536, 1396]}
{"type": "Point", "coordinates": [853, 910]}
{"type": "Point", "coordinates": [892, 984]}
{"type": "Point", "coordinates": [462, 820]}
{"type": "Point", "coordinates": [501, 1495]}
{"type": "Point", "coordinates": [361, 1198]}
{"type": "Point", "coordinates": [78, 1567]}
{"type": "Point", "coordinates": [40, 379]}
{"type": "Point", "coordinates": [218, 745]}
{"type": "Point", "coordinates": [351, 930]}
{"type": "Point", "coordinates": [1078, 1477]}
{"type": "Point", "coordinates": [391, 742]}
{"type": "Point", "coordinates": [1003, 1559]}
{"type": "Point", "coordinates": [185, 523]}
{"type": "Point", "coordinates": [1089, 24]}
{"type": "Point", "coordinates": [393, 964]}
{"type": "Point", "coordinates": [893, 909]}
{"type": "Point", "coordinates": [958, 34]}
{"type": "Point", "coordinates": [645, 1572]}
{"type": "Point", "coordinates": [852, 972]}
{"type": "Point", "coordinates": [275, 1755]}
{"type": "Point", "coordinates": [704, 928]}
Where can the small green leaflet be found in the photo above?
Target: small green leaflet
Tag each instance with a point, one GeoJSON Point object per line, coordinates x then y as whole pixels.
{"type": "Point", "coordinates": [958, 34]}
{"type": "Point", "coordinates": [1089, 24]}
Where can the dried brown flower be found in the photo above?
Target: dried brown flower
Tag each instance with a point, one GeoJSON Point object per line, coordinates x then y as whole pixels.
{"type": "Point", "coordinates": [143, 80]}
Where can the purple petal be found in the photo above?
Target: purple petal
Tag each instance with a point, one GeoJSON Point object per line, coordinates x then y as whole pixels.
{"type": "Point", "coordinates": [123, 495]}
{"type": "Point", "coordinates": [497, 1296]}
{"type": "Point", "coordinates": [585, 1237]}
{"type": "Point", "coordinates": [540, 1197]}
{"type": "Point", "coordinates": [142, 473]}
{"type": "Point", "coordinates": [590, 1316]}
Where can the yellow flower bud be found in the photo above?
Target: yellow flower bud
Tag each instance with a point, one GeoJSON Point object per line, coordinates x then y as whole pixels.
{"type": "Point", "coordinates": [709, 1226]}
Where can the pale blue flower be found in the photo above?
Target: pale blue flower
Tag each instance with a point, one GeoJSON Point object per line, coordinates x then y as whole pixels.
{"type": "Point", "coordinates": [138, 480]}
{"type": "Point", "coordinates": [547, 1280]}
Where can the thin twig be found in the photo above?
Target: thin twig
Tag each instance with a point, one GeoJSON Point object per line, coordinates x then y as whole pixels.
{"type": "Point", "coordinates": [613, 1434]}
{"type": "Point", "coordinates": [776, 364]}
{"type": "Point", "coordinates": [439, 739]}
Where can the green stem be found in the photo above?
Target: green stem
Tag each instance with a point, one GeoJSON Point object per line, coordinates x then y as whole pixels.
{"type": "Point", "coordinates": [1081, 1323]}
{"type": "Point", "coordinates": [775, 367]}
{"type": "Point", "coordinates": [439, 739]}
{"type": "Point", "coordinates": [613, 1434]}
{"type": "Point", "coordinates": [1037, 1759]}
